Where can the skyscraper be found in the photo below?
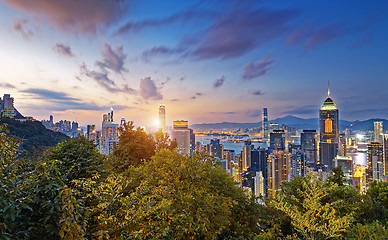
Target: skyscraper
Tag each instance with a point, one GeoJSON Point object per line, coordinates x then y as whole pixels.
{"type": "Point", "coordinates": [308, 142]}
{"type": "Point", "coordinates": [277, 140]}
{"type": "Point", "coordinates": [264, 122]}
{"type": "Point", "coordinates": [162, 117]}
{"type": "Point", "coordinates": [109, 133]}
{"type": "Point", "coordinates": [278, 170]}
{"type": "Point", "coordinates": [246, 156]}
{"type": "Point", "coordinates": [181, 133]}
{"type": "Point", "coordinates": [378, 127]}
{"type": "Point", "coordinates": [328, 133]}
{"type": "Point", "coordinates": [385, 149]}
{"type": "Point", "coordinates": [8, 109]}
{"type": "Point", "coordinates": [375, 162]}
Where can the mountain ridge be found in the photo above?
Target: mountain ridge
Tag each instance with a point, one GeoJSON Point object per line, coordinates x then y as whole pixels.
{"type": "Point", "coordinates": [292, 121]}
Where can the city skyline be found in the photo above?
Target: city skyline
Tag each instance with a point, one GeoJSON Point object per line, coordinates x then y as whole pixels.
{"type": "Point", "coordinates": [205, 61]}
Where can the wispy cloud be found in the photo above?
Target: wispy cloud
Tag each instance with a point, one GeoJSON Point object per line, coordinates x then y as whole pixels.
{"type": "Point", "coordinates": [256, 92]}
{"type": "Point", "coordinates": [160, 51]}
{"type": "Point", "coordinates": [180, 17]}
{"type": "Point", "coordinates": [6, 85]}
{"type": "Point", "coordinates": [20, 25]}
{"type": "Point", "coordinates": [112, 59]}
{"type": "Point", "coordinates": [49, 94]}
{"type": "Point", "coordinates": [61, 101]}
{"type": "Point", "coordinates": [74, 16]}
{"type": "Point", "coordinates": [104, 81]}
{"type": "Point", "coordinates": [254, 70]}
{"type": "Point", "coordinates": [219, 82]}
{"type": "Point", "coordinates": [63, 49]}
{"type": "Point", "coordinates": [148, 89]}
{"type": "Point", "coordinates": [240, 31]}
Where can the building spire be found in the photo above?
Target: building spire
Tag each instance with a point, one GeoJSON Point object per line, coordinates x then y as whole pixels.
{"type": "Point", "coordinates": [328, 88]}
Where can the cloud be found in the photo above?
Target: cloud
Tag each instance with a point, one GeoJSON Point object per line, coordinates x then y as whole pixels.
{"type": "Point", "coordinates": [148, 89]}
{"type": "Point", "coordinates": [74, 16]}
{"type": "Point", "coordinates": [112, 59]}
{"type": "Point", "coordinates": [181, 17]}
{"type": "Point", "coordinates": [104, 81]}
{"type": "Point", "coordinates": [325, 34]}
{"type": "Point", "coordinates": [199, 94]}
{"type": "Point", "coordinates": [6, 85]}
{"type": "Point", "coordinates": [60, 101]}
{"type": "Point", "coordinates": [257, 92]}
{"type": "Point", "coordinates": [48, 94]}
{"type": "Point", "coordinates": [160, 51]}
{"type": "Point", "coordinates": [63, 49]}
{"type": "Point", "coordinates": [20, 26]}
{"type": "Point", "coordinates": [240, 31]}
{"type": "Point", "coordinates": [302, 110]}
{"type": "Point", "coordinates": [261, 68]}
{"type": "Point", "coordinates": [227, 113]}
{"type": "Point", "coordinates": [218, 82]}
{"type": "Point", "coordinates": [254, 113]}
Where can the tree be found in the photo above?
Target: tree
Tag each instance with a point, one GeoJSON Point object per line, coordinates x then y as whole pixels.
{"type": "Point", "coordinates": [76, 158]}
{"type": "Point", "coordinates": [172, 196]}
{"type": "Point", "coordinates": [311, 216]}
{"type": "Point", "coordinates": [135, 146]}
{"type": "Point", "coordinates": [162, 141]}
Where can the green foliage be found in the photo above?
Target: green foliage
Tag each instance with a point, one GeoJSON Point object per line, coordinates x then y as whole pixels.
{"type": "Point", "coordinates": [162, 141]}
{"type": "Point", "coordinates": [35, 137]}
{"type": "Point", "coordinates": [312, 215]}
{"type": "Point", "coordinates": [337, 176]}
{"type": "Point", "coordinates": [373, 231]}
{"type": "Point", "coordinates": [171, 196]}
{"type": "Point", "coordinates": [76, 158]}
{"type": "Point", "coordinates": [135, 146]}
{"type": "Point", "coordinates": [375, 205]}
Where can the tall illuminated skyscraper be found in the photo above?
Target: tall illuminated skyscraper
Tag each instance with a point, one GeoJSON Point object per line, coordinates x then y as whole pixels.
{"type": "Point", "coordinates": [264, 122]}
{"type": "Point", "coordinates": [328, 134]}
{"type": "Point", "coordinates": [109, 133]}
{"type": "Point", "coordinates": [378, 127]}
{"type": "Point", "coordinates": [181, 134]}
{"type": "Point", "coordinates": [162, 117]}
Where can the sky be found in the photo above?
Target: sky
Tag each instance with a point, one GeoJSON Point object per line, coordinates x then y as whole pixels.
{"type": "Point", "coordinates": [206, 61]}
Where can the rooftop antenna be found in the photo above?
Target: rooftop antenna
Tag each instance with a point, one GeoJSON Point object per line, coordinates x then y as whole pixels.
{"type": "Point", "coordinates": [328, 89]}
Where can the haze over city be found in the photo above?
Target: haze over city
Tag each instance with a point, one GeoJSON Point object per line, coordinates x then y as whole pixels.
{"type": "Point", "coordinates": [207, 61]}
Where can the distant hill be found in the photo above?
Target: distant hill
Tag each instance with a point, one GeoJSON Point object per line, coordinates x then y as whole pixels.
{"type": "Point", "coordinates": [33, 134]}
{"type": "Point", "coordinates": [291, 121]}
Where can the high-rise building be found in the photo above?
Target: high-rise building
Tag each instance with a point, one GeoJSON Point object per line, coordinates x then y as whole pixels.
{"type": "Point", "coordinates": [375, 160]}
{"type": "Point", "coordinates": [328, 133]}
{"type": "Point", "coordinates": [378, 127]}
{"type": "Point", "coordinates": [265, 126]}
{"type": "Point", "coordinates": [8, 109]}
{"type": "Point", "coordinates": [216, 149]}
{"type": "Point", "coordinates": [259, 185]}
{"type": "Point", "coordinates": [162, 117]}
{"type": "Point", "coordinates": [385, 149]}
{"type": "Point", "coordinates": [246, 156]}
{"type": "Point", "coordinates": [91, 132]}
{"type": "Point", "coordinates": [298, 163]}
{"type": "Point", "coordinates": [278, 170]}
{"type": "Point", "coordinates": [308, 142]}
{"type": "Point", "coordinates": [109, 133]}
{"type": "Point", "coordinates": [277, 140]}
{"type": "Point", "coordinates": [181, 134]}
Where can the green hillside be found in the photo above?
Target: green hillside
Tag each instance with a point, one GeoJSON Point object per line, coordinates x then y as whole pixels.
{"type": "Point", "coordinates": [34, 136]}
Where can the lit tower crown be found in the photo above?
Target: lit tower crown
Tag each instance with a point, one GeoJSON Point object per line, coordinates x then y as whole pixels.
{"type": "Point", "coordinates": [328, 104]}
{"type": "Point", "coordinates": [328, 132]}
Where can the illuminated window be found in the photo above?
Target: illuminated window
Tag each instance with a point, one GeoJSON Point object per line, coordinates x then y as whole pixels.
{"type": "Point", "coordinates": [328, 126]}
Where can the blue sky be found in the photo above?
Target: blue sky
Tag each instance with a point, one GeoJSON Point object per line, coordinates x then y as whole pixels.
{"type": "Point", "coordinates": [207, 61]}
